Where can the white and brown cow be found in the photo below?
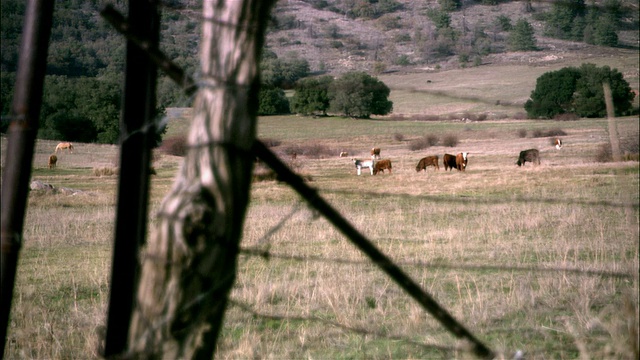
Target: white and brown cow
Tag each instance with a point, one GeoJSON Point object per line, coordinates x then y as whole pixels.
{"type": "Point", "coordinates": [363, 164]}
{"type": "Point", "coordinates": [558, 143]}
{"type": "Point", "coordinates": [531, 155]}
{"type": "Point", "coordinates": [427, 161]}
{"type": "Point", "coordinates": [461, 161]}
{"type": "Point", "coordinates": [381, 166]}
{"type": "Point", "coordinates": [375, 153]}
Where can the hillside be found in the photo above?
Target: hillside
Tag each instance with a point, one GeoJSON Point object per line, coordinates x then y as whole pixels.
{"type": "Point", "coordinates": [334, 43]}
{"type": "Point", "coordinates": [428, 76]}
{"type": "Point", "coordinates": [428, 85]}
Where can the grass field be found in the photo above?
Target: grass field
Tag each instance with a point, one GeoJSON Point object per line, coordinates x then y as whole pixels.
{"type": "Point", "coordinates": [542, 259]}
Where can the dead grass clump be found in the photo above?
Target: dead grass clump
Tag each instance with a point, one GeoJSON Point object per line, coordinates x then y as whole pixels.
{"type": "Point", "coordinates": [450, 140]}
{"type": "Point", "coordinates": [398, 137]}
{"type": "Point", "coordinates": [105, 171]}
{"type": "Point", "coordinates": [419, 144]}
{"type": "Point", "coordinates": [312, 150]}
{"type": "Point", "coordinates": [630, 148]}
{"type": "Point", "coordinates": [520, 116]}
{"type": "Point", "coordinates": [176, 146]}
{"type": "Point", "coordinates": [396, 117]}
{"type": "Point", "coordinates": [604, 153]}
{"type": "Point", "coordinates": [522, 133]}
{"type": "Point", "coordinates": [538, 133]}
{"type": "Point", "coordinates": [556, 132]}
{"type": "Point", "coordinates": [264, 174]}
{"type": "Point", "coordinates": [425, 117]}
{"type": "Point", "coordinates": [271, 142]}
{"type": "Point", "coordinates": [566, 117]}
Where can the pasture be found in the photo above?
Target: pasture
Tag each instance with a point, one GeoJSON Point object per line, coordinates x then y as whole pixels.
{"type": "Point", "coordinates": [542, 260]}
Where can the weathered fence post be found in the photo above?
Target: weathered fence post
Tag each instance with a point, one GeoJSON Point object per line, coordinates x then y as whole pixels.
{"type": "Point", "coordinates": [137, 133]}
{"type": "Point", "coordinates": [611, 120]}
{"type": "Point", "coordinates": [25, 112]}
{"type": "Point", "coordinates": [189, 264]}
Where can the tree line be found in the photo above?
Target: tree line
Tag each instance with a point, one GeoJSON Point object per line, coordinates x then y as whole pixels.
{"type": "Point", "coordinates": [86, 62]}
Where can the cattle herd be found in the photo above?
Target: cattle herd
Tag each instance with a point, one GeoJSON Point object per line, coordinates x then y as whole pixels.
{"type": "Point", "coordinates": [458, 161]}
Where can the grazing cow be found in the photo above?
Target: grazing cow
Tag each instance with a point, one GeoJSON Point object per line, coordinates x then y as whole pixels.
{"type": "Point", "coordinates": [381, 166]}
{"type": "Point", "coordinates": [449, 161]}
{"type": "Point", "coordinates": [531, 155]}
{"type": "Point", "coordinates": [461, 161]}
{"type": "Point", "coordinates": [64, 145]}
{"type": "Point", "coordinates": [558, 143]}
{"type": "Point", "coordinates": [363, 164]}
{"type": "Point", "coordinates": [52, 161]}
{"type": "Point", "coordinates": [375, 153]}
{"type": "Point", "coordinates": [344, 154]}
{"type": "Point", "coordinates": [428, 161]}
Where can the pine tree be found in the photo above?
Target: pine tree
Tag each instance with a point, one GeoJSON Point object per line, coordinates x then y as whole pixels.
{"type": "Point", "coordinates": [522, 38]}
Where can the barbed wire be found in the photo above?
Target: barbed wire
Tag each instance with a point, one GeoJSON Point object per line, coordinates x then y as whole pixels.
{"type": "Point", "coordinates": [268, 255]}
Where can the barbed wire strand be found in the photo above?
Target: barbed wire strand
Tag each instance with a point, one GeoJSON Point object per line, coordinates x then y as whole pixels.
{"type": "Point", "coordinates": [267, 255]}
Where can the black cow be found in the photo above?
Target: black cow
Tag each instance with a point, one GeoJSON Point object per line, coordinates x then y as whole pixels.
{"type": "Point", "coordinates": [531, 155]}
{"type": "Point", "coordinates": [449, 162]}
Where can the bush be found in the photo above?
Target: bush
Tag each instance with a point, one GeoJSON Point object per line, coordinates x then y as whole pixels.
{"type": "Point", "coordinates": [311, 150]}
{"type": "Point", "coordinates": [556, 132]}
{"type": "Point", "coordinates": [272, 101]}
{"type": "Point", "coordinates": [450, 140]}
{"type": "Point", "coordinates": [419, 144]}
{"type": "Point", "coordinates": [176, 146]}
{"type": "Point", "coordinates": [522, 133]}
{"type": "Point", "coordinates": [566, 117]}
{"type": "Point", "coordinates": [357, 94]}
{"type": "Point", "coordinates": [432, 140]}
{"type": "Point", "coordinates": [105, 171]}
{"type": "Point", "coordinates": [398, 137]}
{"type": "Point", "coordinates": [537, 133]}
{"type": "Point", "coordinates": [579, 91]}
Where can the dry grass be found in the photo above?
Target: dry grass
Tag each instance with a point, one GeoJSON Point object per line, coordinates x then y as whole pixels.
{"type": "Point", "coordinates": [487, 244]}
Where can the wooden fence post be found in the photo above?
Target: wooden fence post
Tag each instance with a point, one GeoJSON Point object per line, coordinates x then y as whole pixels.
{"type": "Point", "coordinates": [189, 264]}
{"type": "Point", "coordinates": [611, 120]}
{"type": "Point", "coordinates": [137, 133]}
{"type": "Point", "coordinates": [25, 112]}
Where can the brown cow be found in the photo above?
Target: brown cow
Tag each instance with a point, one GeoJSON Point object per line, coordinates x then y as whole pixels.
{"type": "Point", "coordinates": [381, 166]}
{"type": "Point", "coordinates": [531, 155]}
{"type": "Point", "coordinates": [375, 153]}
{"type": "Point", "coordinates": [449, 161]}
{"type": "Point", "coordinates": [427, 161]}
{"type": "Point", "coordinates": [52, 161]}
{"type": "Point", "coordinates": [461, 161]}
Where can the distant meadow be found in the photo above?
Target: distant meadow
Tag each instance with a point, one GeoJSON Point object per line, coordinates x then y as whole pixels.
{"type": "Point", "coordinates": [537, 259]}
